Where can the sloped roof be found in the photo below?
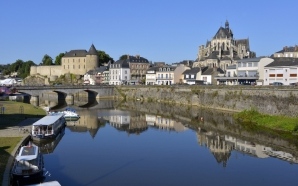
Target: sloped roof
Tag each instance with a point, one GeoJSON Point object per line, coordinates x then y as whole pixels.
{"type": "Point", "coordinates": [92, 50]}
{"type": "Point", "coordinates": [256, 59]}
{"type": "Point", "coordinates": [123, 64]}
{"type": "Point", "coordinates": [213, 55]}
{"type": "Point", "coordinates": [223, 33]}
{"type": "Point", "coordinates": [76, 53]}
{"type": "Point", "coordinates": [284, 61]}
{"type": "Point", "coordinates": [288, 49]}
{"type": "Point", "coordinates": [192, 70]}
{"type": "Point", "coordinates": [136, 59]}
{"type": "Point", "coordinates": [242, 41]}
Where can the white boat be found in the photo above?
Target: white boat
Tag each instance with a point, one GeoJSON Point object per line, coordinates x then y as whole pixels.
{"type": "Point", "coordinates": [69, 114]}
{"type": "Point", "coordinates": [48, 127]}
{"type": "Point", "coordinates": [28, 164]}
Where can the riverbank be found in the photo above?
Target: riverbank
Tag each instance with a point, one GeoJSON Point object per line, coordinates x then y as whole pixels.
{"type": "Point", "coordinates": [269, 100]}
{"type": "Point", "coordinates": [15, 126]}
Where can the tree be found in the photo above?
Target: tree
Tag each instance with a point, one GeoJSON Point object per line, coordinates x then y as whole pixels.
{"type": "Point", "coordinates": [104, 58]}
{"type": "Point", "coordinates": [46, 60]}
{"type": "Point", "coordinates": [58, 59]}
{"type": "Point", "coordinates": [123, 57]}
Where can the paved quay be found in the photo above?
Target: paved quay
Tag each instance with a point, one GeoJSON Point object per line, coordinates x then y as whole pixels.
{"type": "Point", "coordinates": [21, 130]}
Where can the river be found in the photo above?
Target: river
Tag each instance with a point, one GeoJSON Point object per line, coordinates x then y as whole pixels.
{"type": "Point", "coordinates": [135, 143]}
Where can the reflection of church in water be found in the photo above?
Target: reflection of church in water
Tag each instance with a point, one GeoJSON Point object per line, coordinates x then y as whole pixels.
{"type": "Point", "coordinates": [221, 147]}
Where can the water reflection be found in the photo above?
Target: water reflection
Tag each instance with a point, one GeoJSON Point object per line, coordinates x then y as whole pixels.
{"type": "Point", "coordinates": [161, 138]}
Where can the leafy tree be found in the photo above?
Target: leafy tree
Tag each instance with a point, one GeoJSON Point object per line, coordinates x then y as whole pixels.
{"type": "Point", "coordinates": [46, 60]}
{"type": "Point", "coordinates": [104, 58]}
{"type": "Point", "coordinates": [58, 59]}
{"type": "Point", "coordinates": [16, 66]}
{"type": "Point", "coordinates": [123, 57]}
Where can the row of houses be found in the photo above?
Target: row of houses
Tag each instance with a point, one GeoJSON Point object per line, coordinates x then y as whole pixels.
{"type": "Point", "coordinates": [247, 71]}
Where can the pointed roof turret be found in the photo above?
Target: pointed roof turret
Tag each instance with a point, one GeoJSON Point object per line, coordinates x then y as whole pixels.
{"type": "Point", "coordinates": [92, 50]}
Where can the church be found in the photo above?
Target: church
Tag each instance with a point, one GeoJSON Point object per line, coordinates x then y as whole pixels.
{"type": "Point", "coordinates": [223, 50]}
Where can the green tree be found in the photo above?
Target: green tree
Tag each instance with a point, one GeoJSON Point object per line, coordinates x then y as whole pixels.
{"type": "Point", "coordinates": [104, 57]}
{"type": "Point", "coordinates": [123, 57]}
{"type": "Point", "coordinates": [46, 60]}
{"type": "Point", "coordinates": [58, 59]}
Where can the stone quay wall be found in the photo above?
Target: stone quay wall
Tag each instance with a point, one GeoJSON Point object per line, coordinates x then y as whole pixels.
{"type": "Point", "coordinates": [268, 100]}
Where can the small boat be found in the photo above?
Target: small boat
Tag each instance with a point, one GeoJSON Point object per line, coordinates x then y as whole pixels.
{"type": "Point", "coordinates": [28, 164]}
{"type": "Point", "coordinates": [69, 114]}
{"type": "Point", "coordinates": [48, 127]}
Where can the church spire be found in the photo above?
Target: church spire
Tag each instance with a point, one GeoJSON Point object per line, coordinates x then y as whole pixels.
{"type": "Point", "coordinates": [227, 24]}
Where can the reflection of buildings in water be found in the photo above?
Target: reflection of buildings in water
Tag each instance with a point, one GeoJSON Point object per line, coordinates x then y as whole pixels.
{"type": "Point", "coordinates": [129, 122]}
{"type": "Point", "coordinates": [88, 122]}
{"type": "Point", "coordinates": [164, 123]}
{"type": "Point", "coordinates": [221, 147]}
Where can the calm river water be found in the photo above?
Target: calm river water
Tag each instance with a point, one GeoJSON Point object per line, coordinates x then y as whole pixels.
{"type": "Point", "coordinates": [155, 144]}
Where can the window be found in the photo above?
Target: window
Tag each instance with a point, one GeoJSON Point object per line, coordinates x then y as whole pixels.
{"type": "Point", "coordinates": [73, 67]}
{"type": "Point", "coordinates": [125, 72]}
{"type": "Point", "coordinates": [192, 76]}
{"type": "Point", "coordinates": [186, 76]}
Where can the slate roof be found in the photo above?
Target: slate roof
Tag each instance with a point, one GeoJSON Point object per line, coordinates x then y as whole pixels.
{"type": "Point", "coordinates": [209, 71]}
{"type": "Point", "coordinates": [213, 55]}
{"type": "Point", "coordinates": [123, 64]}
{"type": "Point", "coordinates": [81, 53]}
{"type": "Point", "coordinates": [223, 33]}
{"type": "Point", "coordinates": [242, 41]}
{"type": "Point", "coordinates": [226, 58]}
{"type": "Point", "coordinates": [257, 59]}
{"type": "Point", "coordinates": [76, 53]}
{"type": "Point", "coordinates": [284, 61]}
{"type": "Point", "coordinates": [92, 50]}
{"type": "Point", "coordinates": [192, 70]}
{"type": "Point", "coordinates": [288, 49]}
{"type": "Point", "coordinates": [136, 59]}
{"type": "Point", "coordinates": [153, 69]}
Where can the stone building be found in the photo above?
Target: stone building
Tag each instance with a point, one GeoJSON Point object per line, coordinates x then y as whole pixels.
{"type": "Point", "coordinates": [138, 68]}
{"type": "Point", "coordinates": [287, 51]}
{"type": "Point", "coordinates": [223, 49]}
{"type": "Point", "coordinates": [75, 61]}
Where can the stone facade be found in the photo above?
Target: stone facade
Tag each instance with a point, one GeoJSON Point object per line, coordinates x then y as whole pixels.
{"type": "Point", "coordinates": [223, 50]}
{"type": "Point", "coordinates": [291, 51]}
{"type": "Point", "coordinates": [75, 62]}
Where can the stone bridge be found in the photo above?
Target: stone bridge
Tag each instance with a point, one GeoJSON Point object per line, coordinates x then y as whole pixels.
{"type": "Point", "coordinates": [68, 92]}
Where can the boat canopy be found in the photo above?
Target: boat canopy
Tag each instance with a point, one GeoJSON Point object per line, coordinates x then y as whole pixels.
{"type": "Point", "coordinates": [49, 119]}
{"type": "Point", "coordinates": [27, 153]}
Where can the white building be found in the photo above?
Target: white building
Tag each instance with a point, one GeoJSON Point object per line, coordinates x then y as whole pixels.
{"type": "Point", "coordinates": [151, 76]}
{"type": "Point", "coordinates": [169, 75]}
{"type": "Point", "coordinates": [248, 71]}
{"type": "Point", "coordinates": [119, 73]}
{"type": "Point", "coordinates": [283, 70]}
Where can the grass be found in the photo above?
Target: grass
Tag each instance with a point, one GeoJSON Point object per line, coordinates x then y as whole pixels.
{"type": "Point", "coordinates": [7, 145]}
{"type": "Point", "coordinates": [282, 123]}
{"type": "Point", "coordinates": [14, 113]}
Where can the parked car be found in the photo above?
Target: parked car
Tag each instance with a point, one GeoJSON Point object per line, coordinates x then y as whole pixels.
{"type": "Point", "coordinates": [277, 84]}
{"type": "Point", "coordinates": [294, 84]}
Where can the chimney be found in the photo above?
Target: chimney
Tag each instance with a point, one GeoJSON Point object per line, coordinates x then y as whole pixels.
{"type": "Point", "coordinates": [127, 56]}
{"type": "Point", "coordinates": [296, 48]}
{"type": "Point", "coordinates": [138, 56]}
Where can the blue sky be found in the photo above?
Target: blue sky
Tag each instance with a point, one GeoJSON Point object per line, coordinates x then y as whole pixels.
{"type": "Point", "coordinates": [159, 30]}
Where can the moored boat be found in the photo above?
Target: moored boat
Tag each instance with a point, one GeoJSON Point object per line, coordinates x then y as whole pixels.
{"type": "Point", "coordinates": [69, 114]}
{"type": "Point", "coordinates": [48, 127]}
{"type": "Point", "coordinates": [28, 164]}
